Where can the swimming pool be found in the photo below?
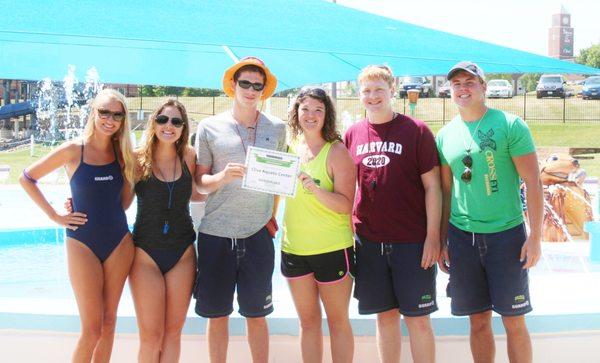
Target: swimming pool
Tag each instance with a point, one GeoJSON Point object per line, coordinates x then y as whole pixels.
{"type": "Point", "coordinates": [34, 280]}
{"type": "Point", "coordinates": [33, 269]}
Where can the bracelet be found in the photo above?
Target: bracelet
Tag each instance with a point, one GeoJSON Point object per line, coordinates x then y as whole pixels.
{"type": "Point", "coordinates": [28, 177]}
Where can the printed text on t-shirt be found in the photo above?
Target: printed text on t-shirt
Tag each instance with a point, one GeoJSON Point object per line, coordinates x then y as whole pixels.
{"type": "Point", "coordinates": [379, 146]}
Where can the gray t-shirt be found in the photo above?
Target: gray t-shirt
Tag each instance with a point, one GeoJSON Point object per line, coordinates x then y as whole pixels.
{"type": "Point", "coordinates": [231, 211]}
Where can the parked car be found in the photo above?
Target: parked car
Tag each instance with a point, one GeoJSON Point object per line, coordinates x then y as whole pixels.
{"type": "Point", "coordinates": [551, 85]}
{"type": "Point", "coordinates": [499, 88]}
{"type": "Point", "coordinates": [591, 88]}
{"type": "Point", "coordinates": [415, 82]}
{"type": "Point", "coordinates": [444, 90]}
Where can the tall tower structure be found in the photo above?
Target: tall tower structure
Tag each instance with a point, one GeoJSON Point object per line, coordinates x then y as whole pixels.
{"type": "Point", "coordinates": [560, 36]}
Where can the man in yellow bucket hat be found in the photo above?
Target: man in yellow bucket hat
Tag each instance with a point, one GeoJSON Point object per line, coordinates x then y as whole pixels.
{"type": "Point", "coordinates": [235, 238]}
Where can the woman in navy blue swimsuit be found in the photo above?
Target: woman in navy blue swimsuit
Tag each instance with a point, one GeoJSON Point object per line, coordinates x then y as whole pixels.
{"type": "Point", "coordinates": [164, 267]}
{"type": "Point", "coordinates": [100, 167]}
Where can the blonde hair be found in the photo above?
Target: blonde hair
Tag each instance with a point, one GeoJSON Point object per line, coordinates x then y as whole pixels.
{"type": "Point", "coordinates": [377, 72]}
{"type": "Point", "coordinates": [146, 151]}
{"type": "Point", "coordinates": [121, 139]}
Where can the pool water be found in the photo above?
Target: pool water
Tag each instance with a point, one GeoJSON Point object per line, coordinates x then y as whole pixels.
{"type": "Point", "coordinates": [33, 266]}
{"type": "Point", "coordinates": [38, 269]}
{"type": "Point", "coordinates": [34, 270]}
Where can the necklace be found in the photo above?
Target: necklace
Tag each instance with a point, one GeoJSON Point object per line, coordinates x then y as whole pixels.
{"type": "Point", "coordinates": [170, 187]}
{"type": "Point", "coordinates": [376, 173]}
{"type": "Point", "coordinates": [468, 149]}
{"type": "Point", "coordinates": [255, 128]}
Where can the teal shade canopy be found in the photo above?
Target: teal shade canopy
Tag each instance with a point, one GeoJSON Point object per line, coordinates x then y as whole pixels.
{"type": "Point", "coordinates": [190, 43]}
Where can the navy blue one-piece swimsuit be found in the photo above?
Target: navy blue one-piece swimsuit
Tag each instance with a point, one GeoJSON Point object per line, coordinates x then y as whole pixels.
{"type": "Point", "coordinates": [96, 191]}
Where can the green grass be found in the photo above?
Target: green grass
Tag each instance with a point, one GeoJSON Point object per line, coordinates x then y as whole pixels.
{"type": "Point", "coordinates": [558, 137]}
{"type": "Point", "coordinates": [591, 166]}
{"type": "Point", "coordinates": [547, 136]}
{"type": "Point", "coordinates": [558, 134]}
{"type": "Point", "coordinates": [544, 117]}
{"type": "Point", "coordinates": [20, 159]}
{"type": "Point", "coordinates": [566, 135]}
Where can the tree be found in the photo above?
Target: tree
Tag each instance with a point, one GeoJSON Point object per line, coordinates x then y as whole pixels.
{"type": "Point", "coordinates": [590, 56]}
{"type": "Point", "coordinates": [288, 92]}
{"type": "Point", "coordinates": [201, 92]}
{"type": "Point", "coordinates": [351, 89]}
{"type": "Point", "coordinates": [162, 91]}
{"type": "Point", "coordinates": [529, 81]}
{"type": "Point", "coordinates": [147, 91]}
{"type": "Point", "coordinates": [506, 76]}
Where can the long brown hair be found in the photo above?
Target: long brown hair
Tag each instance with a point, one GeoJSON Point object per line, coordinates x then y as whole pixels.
{"type": "Point", "coordinates": [122, 138]}
{"type": "Point", "coordinates": [328, 131]}
{"type": "Point", "coordinates": [150, 140]}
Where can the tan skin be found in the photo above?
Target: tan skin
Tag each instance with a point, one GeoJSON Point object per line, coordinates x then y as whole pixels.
{"type": "Point", "coordinates": [245, 112]}
{"type": "Point", "coordinates": [306, 291]}
{"type": "Point", "coordinates": [376, 96]}
{"type": "Point", "coordinates": [97, 286]}
{"type": "Point", "coordinates": [161, 301]}
{"type": "Point", "coordinates": [468, 92]}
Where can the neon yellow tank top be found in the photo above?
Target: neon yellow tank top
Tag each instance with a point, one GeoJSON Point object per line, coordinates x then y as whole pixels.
{"type": "Point", "coordinates": [309, 227]}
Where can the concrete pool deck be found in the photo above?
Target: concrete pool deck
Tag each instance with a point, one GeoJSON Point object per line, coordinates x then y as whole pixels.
{"type": "Point", "coordinates": [42, 346]}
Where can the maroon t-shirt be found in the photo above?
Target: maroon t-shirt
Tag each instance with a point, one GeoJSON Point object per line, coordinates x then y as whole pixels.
{"type": "Point", "coordinates": [390, 158]}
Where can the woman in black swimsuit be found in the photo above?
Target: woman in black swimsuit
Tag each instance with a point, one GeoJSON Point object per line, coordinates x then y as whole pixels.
{"type": "Point", "coordinates": [164, 268]}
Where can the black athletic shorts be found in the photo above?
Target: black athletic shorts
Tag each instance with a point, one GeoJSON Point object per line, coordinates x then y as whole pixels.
{"type": "Point", "coordinates": [325, 267]}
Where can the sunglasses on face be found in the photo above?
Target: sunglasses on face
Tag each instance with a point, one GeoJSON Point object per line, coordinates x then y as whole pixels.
{"type": "Point", "coordinates": [105, 114]}
{"type": "Point", "coordinates": [163, 119]}
{"type": "Point", "coordinates": [247, 84]}
{"type": "Point", "coordinates": [466, 175]}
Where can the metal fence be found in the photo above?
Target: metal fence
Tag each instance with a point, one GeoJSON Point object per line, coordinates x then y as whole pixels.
{"type": "Point", "coordinates": [431, 110]}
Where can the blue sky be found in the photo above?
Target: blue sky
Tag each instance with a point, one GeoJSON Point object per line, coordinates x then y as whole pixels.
{"type": "Point", "coordinates": [519, 24]}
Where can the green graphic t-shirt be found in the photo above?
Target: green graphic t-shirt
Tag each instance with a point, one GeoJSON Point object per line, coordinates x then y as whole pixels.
{"type": "Point", "coordinates": [490, 202]}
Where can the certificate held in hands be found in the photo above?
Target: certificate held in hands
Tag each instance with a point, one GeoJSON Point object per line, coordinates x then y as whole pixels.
{"type": "Point", "coordinates": [270, 171]}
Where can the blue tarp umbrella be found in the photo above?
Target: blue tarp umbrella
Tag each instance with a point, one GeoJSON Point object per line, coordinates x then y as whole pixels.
{"type": "Point", "coordinates": [16, 109]}
{"type": "Point", "coordinates": [190, 42]}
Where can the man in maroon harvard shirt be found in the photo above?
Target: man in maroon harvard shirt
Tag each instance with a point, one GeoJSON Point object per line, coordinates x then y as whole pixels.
{"type": "Point", "coordinates": [397, 212]}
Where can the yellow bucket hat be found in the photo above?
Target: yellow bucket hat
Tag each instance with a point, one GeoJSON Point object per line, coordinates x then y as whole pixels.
{"type": "Point", "coordinates": [270, 79]}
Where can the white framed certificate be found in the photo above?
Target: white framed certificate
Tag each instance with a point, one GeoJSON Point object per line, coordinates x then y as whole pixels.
{"type": "Point", "coordinates": [271, 171]}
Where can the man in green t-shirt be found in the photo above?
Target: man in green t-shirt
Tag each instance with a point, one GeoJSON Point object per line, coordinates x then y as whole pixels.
{"type": "Point", "coordinates": [483, 153]}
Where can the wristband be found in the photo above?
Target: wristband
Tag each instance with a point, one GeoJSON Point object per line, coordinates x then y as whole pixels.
{"type": "Point", "coordinates": [28, 177]}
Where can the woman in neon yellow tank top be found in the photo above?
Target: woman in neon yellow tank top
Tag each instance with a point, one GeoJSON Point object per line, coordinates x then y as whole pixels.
{"type": "Point", "coordinates": [317, 254]}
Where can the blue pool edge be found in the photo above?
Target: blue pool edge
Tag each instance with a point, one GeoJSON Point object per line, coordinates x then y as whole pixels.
{"type": "Point", "coordinates": [442, 326]}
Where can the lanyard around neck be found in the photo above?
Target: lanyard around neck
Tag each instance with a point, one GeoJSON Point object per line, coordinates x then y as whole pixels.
{"type": "Point", "coordinates": [255, 131]}
{"type": "Point", "coordinates": [468, 149]}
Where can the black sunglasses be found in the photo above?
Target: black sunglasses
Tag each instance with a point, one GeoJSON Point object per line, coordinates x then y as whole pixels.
{"type": "Point", "coordinates": [247, 84]}
{"type": "Point", "coordinates": [466, 175]}
{"type": "Point", "coordinates": [105, 114]}
{"type": "Point", "coordinates": [312, 91]}
{"type": "Point", "coordinates": [163, 119]}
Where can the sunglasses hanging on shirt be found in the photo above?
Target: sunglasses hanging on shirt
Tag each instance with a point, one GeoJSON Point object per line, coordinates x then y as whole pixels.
{"type": "Point", "coordinates": [467, 161]}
